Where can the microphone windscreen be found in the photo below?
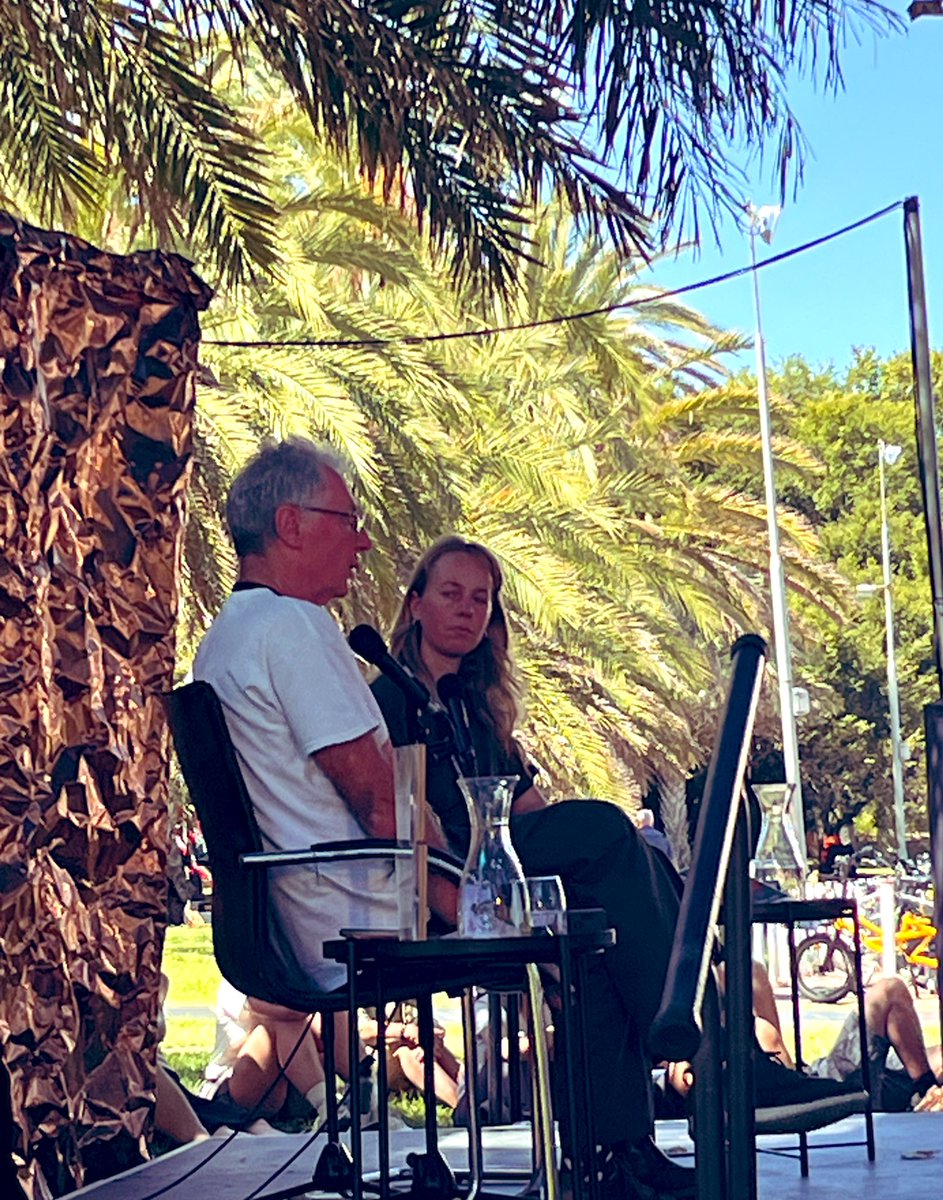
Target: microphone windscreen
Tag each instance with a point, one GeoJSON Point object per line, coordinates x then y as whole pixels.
{"type": "Point", "coordinates": [449, 688]}
{"type": "Point", "coordinates": [365, 641]}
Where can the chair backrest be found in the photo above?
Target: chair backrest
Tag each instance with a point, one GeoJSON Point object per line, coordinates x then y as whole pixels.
{"type": "Point", "coordinates": [242, 934]}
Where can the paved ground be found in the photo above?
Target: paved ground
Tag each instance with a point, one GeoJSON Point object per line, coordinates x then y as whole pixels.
{"type": "Point", "coordinates": [909, 1157]}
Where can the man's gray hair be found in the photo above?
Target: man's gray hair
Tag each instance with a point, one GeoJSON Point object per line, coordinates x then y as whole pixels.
{"type": "Point", "coordinates": [288, 472]}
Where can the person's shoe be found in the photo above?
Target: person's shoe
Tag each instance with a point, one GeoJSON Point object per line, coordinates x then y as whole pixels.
{"type": "Point", "coordinates": [615, 1180]}
{"type": "Point", "coordinates": [651, 1168]}
{"type": "Point", "coordinates": [790, 1102]}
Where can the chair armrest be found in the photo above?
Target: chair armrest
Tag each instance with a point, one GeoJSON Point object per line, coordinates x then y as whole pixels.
{"type": "Point", "coordinates": [347, 851]}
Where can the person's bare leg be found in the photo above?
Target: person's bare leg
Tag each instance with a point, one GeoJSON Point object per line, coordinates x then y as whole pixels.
{"type": "Point", "coordinates": [172, 1112]}
{"type": "Point", "coordinates": [295, 1047]}
{"type": "Point", "coordinates": [890, 1013]}
{"type": "Point", "coordinates": [341, 1043]}
{"type": "Point", "coordinates": [764, 1000]}
{"type": "Point", "coordinates": [409, 1060]}
{"type": "Point", "coordinates": [771, 1041]}
{"type": "Point", "coordinates": [255, 1075]}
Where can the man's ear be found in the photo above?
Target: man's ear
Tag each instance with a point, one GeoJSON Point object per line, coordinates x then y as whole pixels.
{"type": "Point", "coordinates": [288, 524]}
{"type": "Point", "coordinates": [412, 601]}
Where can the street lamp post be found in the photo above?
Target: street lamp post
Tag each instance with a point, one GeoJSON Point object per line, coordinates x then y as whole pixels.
{"type": "Point", "coordinates": [888, 455]}
{"type": "Point", "coordinates": [762, 223]}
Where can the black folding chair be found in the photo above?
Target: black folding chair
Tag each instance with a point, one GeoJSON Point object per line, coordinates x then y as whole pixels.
{"type": "Point", "coordinates": [242, 929]}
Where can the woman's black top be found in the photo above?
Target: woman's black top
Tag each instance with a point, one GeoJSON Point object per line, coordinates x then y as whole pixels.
{"type": "Point", "coordinates": [442, 790]}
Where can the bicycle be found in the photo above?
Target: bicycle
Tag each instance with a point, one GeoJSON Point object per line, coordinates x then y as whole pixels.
{"type": "Point", "coordinates": [825, 961]}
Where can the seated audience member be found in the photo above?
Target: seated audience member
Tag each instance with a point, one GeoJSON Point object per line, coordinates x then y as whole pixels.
{"type": "Point", "coordinates": [405, 1060]}
{"type": "Point", "coordinates": [266, 1063]}
{"type": "Point", "coordinates": [645, 823]}
{"type": "Point", "coordinates": [905, 1075]}
{"type": "Point", "coordinates": [251, 1045]}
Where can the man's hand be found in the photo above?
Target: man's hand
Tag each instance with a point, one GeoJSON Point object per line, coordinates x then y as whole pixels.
{"type": "Point", "coordinates": [362, 772]}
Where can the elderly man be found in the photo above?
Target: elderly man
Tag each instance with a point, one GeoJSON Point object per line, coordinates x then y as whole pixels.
{"type": "Point", "coordinates": [317, 762]}
{"type": "Point", "coordinates": [310, 739]}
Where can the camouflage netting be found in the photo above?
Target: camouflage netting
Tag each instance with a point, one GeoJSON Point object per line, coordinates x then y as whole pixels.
{"type": "Point", "coordinates": [97, 362]}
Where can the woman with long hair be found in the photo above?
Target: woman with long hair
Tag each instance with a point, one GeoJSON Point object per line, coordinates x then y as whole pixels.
{"type": "Point", "coordinates": [452, 621]}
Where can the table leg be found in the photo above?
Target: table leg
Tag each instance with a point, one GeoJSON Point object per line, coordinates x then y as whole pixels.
{"type": "Point", "coordinates": [471, 1091]}
{"type": "Point", "coordinates": [581, 1128]}
{"type": "Point", "coordinates": [353, 1090]}
{"type": "Point", "coordinates": [543, 1117]}
{"type": "Point", "coordinates": [383, 1116]}
{"type": "Point", "coordinates": [863, 1036]}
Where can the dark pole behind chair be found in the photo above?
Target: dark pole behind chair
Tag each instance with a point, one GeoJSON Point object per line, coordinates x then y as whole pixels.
{"type": "Point", "coordinates": [687, 1026]}
{"type": "Point", "coordinates": [676, 1031]}
{"type": "Point", "coordinates": [933, 718]}
{"type": "Point", "coordinates": [738, 1011]}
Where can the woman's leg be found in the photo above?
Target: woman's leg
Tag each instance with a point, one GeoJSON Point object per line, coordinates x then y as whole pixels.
{"type": "Point", "coordinates": [255, 1074]}
{"type": "Point", "coordinates": [291, 1047]}
{"type": "Point", "coordinates": [172, 1112]}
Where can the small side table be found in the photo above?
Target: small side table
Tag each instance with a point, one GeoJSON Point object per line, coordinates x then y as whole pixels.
{"type": "Point", "coordinates": [453, 964]}
{"type": "Point", "coordinates": [790, 913]}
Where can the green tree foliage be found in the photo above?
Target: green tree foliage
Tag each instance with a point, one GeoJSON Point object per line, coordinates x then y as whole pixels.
{"type": "Point", "coordinates": [580, 452]}
{"type": "Point", "coordinates": [845, 742]}
{"type": "Point", "coordinates": [467, 112]}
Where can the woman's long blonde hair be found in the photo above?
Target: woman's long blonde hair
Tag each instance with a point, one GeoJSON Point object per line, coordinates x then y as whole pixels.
{"type": "Point", "coordinates": [491, 690]}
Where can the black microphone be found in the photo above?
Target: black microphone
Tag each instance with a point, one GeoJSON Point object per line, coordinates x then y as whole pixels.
{"type": "Point", "coordinates": [450, 690]}
{"type": "Point", "coordinates": [367, 643]}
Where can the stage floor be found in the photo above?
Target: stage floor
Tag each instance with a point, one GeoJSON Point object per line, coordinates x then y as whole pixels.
{"type": "Point", "coordinates": [909, 1160]}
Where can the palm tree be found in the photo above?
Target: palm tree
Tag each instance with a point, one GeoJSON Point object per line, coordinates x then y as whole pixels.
{"type": "Point", "coordinates": [575, 451]}
{"type": "Point", "coordinates": [627, 564]}
{"type": "Point", "coordinates": [466, 111]}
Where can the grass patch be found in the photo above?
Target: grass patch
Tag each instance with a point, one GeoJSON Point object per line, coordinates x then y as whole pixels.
{"type": "Point", "coordinates": [189, 1065]}
{"type": "Point", "coordinates": [411, 1107]}
{"type": "Point", "coordinates": [190, 966]}
{"type": "Point", "coordinates": [194, 981]}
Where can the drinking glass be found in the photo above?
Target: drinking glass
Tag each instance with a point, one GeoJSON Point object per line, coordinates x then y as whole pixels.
{"type": "Point", "coordinates": [547, 903]}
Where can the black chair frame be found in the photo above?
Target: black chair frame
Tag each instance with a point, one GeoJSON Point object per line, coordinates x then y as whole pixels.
{"type": "Point", "coordinates": [242, 928]}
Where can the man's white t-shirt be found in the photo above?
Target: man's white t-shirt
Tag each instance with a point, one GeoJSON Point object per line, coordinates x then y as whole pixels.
{"type": "Point", "coordinates": [290, 686]}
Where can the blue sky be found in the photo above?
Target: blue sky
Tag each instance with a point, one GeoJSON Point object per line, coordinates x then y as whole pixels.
{"type": "Point", "coordinates": [878, 141]}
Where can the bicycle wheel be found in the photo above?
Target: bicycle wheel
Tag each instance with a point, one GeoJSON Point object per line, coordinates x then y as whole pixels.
{"type": "Point", "coordinates": [825, 967]}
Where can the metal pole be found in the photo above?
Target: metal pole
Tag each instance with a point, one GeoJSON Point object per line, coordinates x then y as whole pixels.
{"type": "Point", "coordinates": [893, 697]}
{"type": "Point", "coordinates": [930, 484]}
{"type": "Point", "coordinates": [777, 577]}
{"type": "Point", "coordinates": [738, 1008]}
{"type": "Point", "coordinates": [925, 420]}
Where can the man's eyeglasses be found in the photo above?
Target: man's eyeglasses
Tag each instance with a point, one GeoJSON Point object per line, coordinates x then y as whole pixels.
{"type": "Point", "coordinates": [354, 519]}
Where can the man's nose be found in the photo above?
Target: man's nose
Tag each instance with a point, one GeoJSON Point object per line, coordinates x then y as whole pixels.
{"type": "Point", "coordinates": [364, 541]}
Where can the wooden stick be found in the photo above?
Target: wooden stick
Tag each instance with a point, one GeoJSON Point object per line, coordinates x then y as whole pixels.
{"type": "Point", "coordinates": [422, 846]}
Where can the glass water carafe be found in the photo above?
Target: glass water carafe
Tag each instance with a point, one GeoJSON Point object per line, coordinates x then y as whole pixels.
{"type": "Point", "coordinates": [492, 880]}
{"type": "Point", "coordinates": [778, 859]}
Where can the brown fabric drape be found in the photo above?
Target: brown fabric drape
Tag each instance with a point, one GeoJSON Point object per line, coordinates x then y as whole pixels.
{"type": "Point", "coordinates": [97, 361]}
